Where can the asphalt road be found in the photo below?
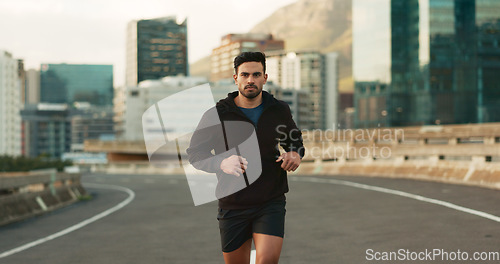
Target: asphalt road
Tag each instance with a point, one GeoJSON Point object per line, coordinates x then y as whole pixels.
{"type": "Point", "coordinates": [329, 220]}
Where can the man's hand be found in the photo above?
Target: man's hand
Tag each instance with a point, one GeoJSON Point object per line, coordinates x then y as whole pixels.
{"type": "Point", "coordinates": [234, 165]}
{"type": "Point", "coordinates": [291, 160]}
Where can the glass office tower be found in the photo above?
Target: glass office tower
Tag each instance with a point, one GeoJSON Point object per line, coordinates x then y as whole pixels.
{"type": "Point", "coordinates": [156, 48]}
{"type": "Point", "coordinates": [48, 129]}
{"type": "Point", "coordinates": [442, 63]}
{"type": "Point", "coordinates": [371, 56]}
{"type": "Point", "coordinates": [70, 83]}
{"type": "Point", "coordinates": [488, 60]}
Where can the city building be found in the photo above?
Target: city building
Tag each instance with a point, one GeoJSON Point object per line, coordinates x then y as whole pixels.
{"type": "Point", "coordinates": [314, 73]}
{"type": "Point", "coordinates": [371, 61]}
{"type": "Point", "coordinates": [156, 48]}
{"type": "Point", "coordinates": [119, 108]}
{"type": "Point", "coordinates": [10, 105]}
{"type": "Point", "coordinates": [222, 59]}
{"type": "Point", "coordinates": [21, 74]}
{"type": "Point", "coordinates": [54, 129]}
{"type": "Point", "coordinates": [70, 83]}
{"type": "Point", "coordinates": [488, 67]}
{"type": "Point", "coordinates": [424, 62]}
{"type": "Point", "coordinates": [91, 122]}
{"type": "Point", "coordinates": [30, 95]}
{"type": "Point", "coordinates": [32, 86]}
{"type": "Point", "coordinates": [371, 104]}
{"type": "Point", "coordinates": [299, 103]}
{"type": "Point", "coordinates": [139, 98]}
{"type": "Point", "coordinates": [47, 129]}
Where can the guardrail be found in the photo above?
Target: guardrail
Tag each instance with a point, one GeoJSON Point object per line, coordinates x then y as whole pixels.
{"type": "Point", "coordinates": [467, 154]}
{"type": "Point", "coordinates": [480, 140]}
{"type": "Point", "coordinates": [128, 147]}
{"type": "Point", "coordinates": [26, 194]}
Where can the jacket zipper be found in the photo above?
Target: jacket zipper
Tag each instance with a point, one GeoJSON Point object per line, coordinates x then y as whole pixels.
{"type": "Point", "coordinates": [240, 113]}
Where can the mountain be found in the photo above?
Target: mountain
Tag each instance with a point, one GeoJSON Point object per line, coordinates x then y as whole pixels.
{"type": "Point", "coordinates": [323, 25]}
{"type": "Point", "coordinates": [200, 67]}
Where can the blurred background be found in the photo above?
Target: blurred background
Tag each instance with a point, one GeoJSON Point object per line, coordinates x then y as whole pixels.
{"type": "Point", "coordinates": [73, 71]}
{"type": "Point", "coordinates": [391, 88]}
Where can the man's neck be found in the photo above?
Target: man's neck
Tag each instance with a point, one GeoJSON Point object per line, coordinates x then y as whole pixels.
{"type": "Point", "coordinates": [242, 101]}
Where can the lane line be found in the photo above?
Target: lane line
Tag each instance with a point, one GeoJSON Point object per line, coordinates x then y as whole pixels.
{"type": "Point", "coordinates": [253, 256]}
{"type": "Point", "coordinates": [131, 196]}
{"type": "Point", "coordinates": [403, 194]}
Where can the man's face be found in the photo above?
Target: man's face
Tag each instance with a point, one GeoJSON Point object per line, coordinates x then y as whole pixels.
{"type": "Point", "coordinates": [250, 79]}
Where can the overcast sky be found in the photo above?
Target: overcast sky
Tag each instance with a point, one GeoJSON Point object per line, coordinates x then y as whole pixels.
{"type": "Point", "coordinates": [93, 31]}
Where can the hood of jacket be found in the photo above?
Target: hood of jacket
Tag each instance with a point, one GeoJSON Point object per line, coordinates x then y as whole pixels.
{"type": "Point", "coordinates": [227, 104]}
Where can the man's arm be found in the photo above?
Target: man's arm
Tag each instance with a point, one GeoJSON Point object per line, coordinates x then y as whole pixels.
{"type": "Point", "coordinates": [207, 137]}
{"type": "Point", "coordinates": [200, 150]}
{"type": "Point", "coordinates": [293, 145]}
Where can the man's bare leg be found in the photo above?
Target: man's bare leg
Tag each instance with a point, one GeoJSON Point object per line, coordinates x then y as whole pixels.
{"type": "Point", "coordinates": [268, 248]}
{"type": "Point", "coordinates": [240, 255]}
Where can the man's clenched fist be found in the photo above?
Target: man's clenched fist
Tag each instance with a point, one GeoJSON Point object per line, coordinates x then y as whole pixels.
{"type": "Point", "coordinates": [234, 165]}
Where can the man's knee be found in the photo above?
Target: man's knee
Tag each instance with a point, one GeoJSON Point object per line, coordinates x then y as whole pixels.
{"type": "Point", "coordinates": [267, 258]}
{"type": "Point", "coordinates": [268, 261]}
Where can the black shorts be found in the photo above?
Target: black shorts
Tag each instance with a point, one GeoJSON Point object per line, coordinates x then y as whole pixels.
{"type": "Point", "coordinates": [237, 226]}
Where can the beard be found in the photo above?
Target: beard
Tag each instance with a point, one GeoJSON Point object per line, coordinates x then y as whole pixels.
{"type": "Point", "coordinates": [251, 94]}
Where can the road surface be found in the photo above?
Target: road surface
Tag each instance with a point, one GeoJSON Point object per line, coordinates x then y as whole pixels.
{"type": "Point", "coordinates": [151, 219]}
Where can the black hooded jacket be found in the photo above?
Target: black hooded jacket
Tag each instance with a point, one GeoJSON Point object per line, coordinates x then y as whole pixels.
{"type": "Point", "coordinates": [211, 143]}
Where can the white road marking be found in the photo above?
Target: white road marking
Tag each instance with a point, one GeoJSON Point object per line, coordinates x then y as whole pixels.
{"type": "Point", "coordinates": [131, 196]}
{"type": "Point", "coordinates": [403, 194]}
{"type": "Point", "coordinates": [253, 256]}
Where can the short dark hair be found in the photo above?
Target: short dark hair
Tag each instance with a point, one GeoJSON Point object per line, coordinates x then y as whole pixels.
{"type": "Point", "coordinates": [250, 56]}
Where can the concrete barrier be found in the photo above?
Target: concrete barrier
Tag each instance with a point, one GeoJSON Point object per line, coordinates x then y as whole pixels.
{"type": "Point", "coordinates": [465, 154]}
{"type": "Point", "coordinates": [27, 194]}
{"type": "Point", "coordinates": [449, 172]}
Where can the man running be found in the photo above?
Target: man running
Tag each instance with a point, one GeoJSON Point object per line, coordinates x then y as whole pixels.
{"type": "Point", "coordinates": [256, 212]}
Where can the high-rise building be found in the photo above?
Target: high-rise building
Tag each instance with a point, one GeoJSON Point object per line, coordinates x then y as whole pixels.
{"type": "Point", "coordinates": [119, 108]}
{"type": "Point", "coordinates": [299, 103]}
{"type": "Point", "coordinates": [32, 86]}
{"type": "Point", "coordinates": [90, 122]}
{"type": "Point", "coordinates": [488, 64]}
{"type": "Point", "coordinates": [421, 62]}
{"type": "Point", "coordinates": [48, 129]}
{"type": "Point", "coordinates": [371, 60]}
{"type": "Point", "coordinates": [54, 121]}
{"type": "Point", "coordinates": [70, 83]}
{"type": "Point", "coordinates": [55, 129]}
{"type": "Point", "coordinates": [149, 92]}
{"type": "Point", "coordinates": [314, 73]}
{"type": "Point", "coordinates": [10, 105]}
{"type": "Point", "coordinates": [222, 59]}
{"type": "Point", "coordinates": [156, 48]}
{"type": "Point", "coordinates": [21, 74]}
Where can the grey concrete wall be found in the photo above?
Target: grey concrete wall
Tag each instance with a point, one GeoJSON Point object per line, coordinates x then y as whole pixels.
{"type": "Point", "coordinates": [24, 195]}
